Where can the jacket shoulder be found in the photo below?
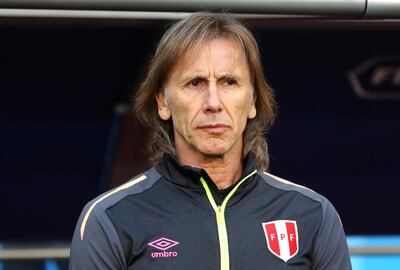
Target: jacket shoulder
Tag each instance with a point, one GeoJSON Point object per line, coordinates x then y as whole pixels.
{"type": "Point", "coordinates": [286, 185]}
{"type": "Point", "coordinates": [96, 244]}
{"type": "Point", "coordinates": [136, 185]}
{"type": "Point", "coordinates": [330, 251]}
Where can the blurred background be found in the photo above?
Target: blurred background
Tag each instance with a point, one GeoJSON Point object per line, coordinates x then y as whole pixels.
{"type": "Point", "coordinates": [67, 132]}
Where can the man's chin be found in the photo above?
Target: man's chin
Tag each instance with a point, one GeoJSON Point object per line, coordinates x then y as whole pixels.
{"type": "Point", "coordinates": [214, 150]}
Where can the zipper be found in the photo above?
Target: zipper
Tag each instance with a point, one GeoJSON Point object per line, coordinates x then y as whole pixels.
{"type": "Point", "coordinates": [220, 219]}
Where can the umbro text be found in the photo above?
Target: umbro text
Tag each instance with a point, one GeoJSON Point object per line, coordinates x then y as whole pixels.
{"type": "Point", "coordinates": [164, 254]}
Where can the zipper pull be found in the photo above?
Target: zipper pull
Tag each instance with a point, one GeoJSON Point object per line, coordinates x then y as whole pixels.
{"type": "Point", "coordinates": [220, 215]}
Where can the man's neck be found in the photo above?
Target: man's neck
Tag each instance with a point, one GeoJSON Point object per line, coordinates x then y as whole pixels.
{"type": "Point", "coordinates": [223, 170]}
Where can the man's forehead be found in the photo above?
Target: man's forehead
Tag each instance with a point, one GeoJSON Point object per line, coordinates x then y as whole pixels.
{"type": "Point", "coordinates": [194, 53]}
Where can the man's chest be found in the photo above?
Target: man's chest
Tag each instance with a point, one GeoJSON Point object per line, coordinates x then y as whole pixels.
{"type": "Point", "coordinates": [248, 238]}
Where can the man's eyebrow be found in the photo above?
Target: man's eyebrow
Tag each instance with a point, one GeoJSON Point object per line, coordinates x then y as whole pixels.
{"type": "Point", "coordinates": [194, 77]}
{"type": "Point", "coordinates": [199, 76]}
{"type": "Point", "coordinates": [230, 76]}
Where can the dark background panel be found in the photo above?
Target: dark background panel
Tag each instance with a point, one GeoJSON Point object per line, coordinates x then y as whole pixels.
{"type": "Point", "coordinates": [328, 138]}
{"type": "Point", "coordinates": [59, 87]}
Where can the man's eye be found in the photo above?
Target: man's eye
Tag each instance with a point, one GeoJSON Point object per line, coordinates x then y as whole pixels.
{"type": "Point", "coordinates": [229, 81]}
{"type": "Point", "coordinates": [194, 83]}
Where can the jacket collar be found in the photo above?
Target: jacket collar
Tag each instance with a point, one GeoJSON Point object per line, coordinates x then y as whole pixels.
{"type": "Point", "coordinates": [189, 177]}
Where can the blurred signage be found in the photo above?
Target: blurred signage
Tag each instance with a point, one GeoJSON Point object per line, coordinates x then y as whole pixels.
{"type": "Point", "coordinates": [377, 78]}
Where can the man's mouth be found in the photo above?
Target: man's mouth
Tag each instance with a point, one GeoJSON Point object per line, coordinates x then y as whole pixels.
{"type": "Point", "coordinates": [218, 128]}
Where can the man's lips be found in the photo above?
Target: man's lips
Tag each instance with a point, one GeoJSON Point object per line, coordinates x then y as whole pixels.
{"type": "Point", "coordinates": [214, 128]}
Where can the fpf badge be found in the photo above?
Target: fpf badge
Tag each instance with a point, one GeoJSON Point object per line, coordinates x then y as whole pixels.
{"type": "Point", "coordinates": [282, 238]}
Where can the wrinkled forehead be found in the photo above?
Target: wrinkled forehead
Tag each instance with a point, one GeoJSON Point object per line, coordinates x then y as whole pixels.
{"type": "Point", "coordinates": [195, 49]}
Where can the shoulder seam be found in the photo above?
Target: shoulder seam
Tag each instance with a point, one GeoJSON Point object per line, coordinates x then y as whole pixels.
{"type": "Point", "coordinates": [122, 187]}
{"type": "Point", "coordinates": [304, 191]}
{"type": "Point", "coordinates": [284, 181]}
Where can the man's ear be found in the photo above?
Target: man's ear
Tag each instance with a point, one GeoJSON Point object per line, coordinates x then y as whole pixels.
{"type": "Point", "coordinates": [252, 110]}
{"type": "Point", "coordinates": [163, 108]}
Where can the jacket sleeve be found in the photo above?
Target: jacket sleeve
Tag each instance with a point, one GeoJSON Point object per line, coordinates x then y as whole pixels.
{"type": "Point", "coordinates": [95, 244]}
{"type": "Point", "coordinates": [331, 251]}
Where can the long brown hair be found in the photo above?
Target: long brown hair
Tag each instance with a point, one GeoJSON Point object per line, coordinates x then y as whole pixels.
{"type": "Point", "coordinates": [184, 37]}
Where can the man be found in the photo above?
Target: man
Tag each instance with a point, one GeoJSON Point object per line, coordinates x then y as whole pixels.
{"type": "Point", "coordinates": [207, 203]}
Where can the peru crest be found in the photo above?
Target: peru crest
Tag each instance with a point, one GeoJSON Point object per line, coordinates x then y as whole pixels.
{"type": "Point", "coordinates": [282, 238]}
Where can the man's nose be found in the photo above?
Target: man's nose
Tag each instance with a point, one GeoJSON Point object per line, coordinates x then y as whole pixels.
{"type": "Point", "coordinates": [212, 102]}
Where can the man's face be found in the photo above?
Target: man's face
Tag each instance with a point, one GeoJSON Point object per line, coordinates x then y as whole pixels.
{"type": "Point", "coordinates": [209, 96]}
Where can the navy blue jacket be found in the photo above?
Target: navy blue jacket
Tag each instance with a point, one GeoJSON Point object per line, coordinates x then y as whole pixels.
{"type": "Point", "coordinates": [174, 217]}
